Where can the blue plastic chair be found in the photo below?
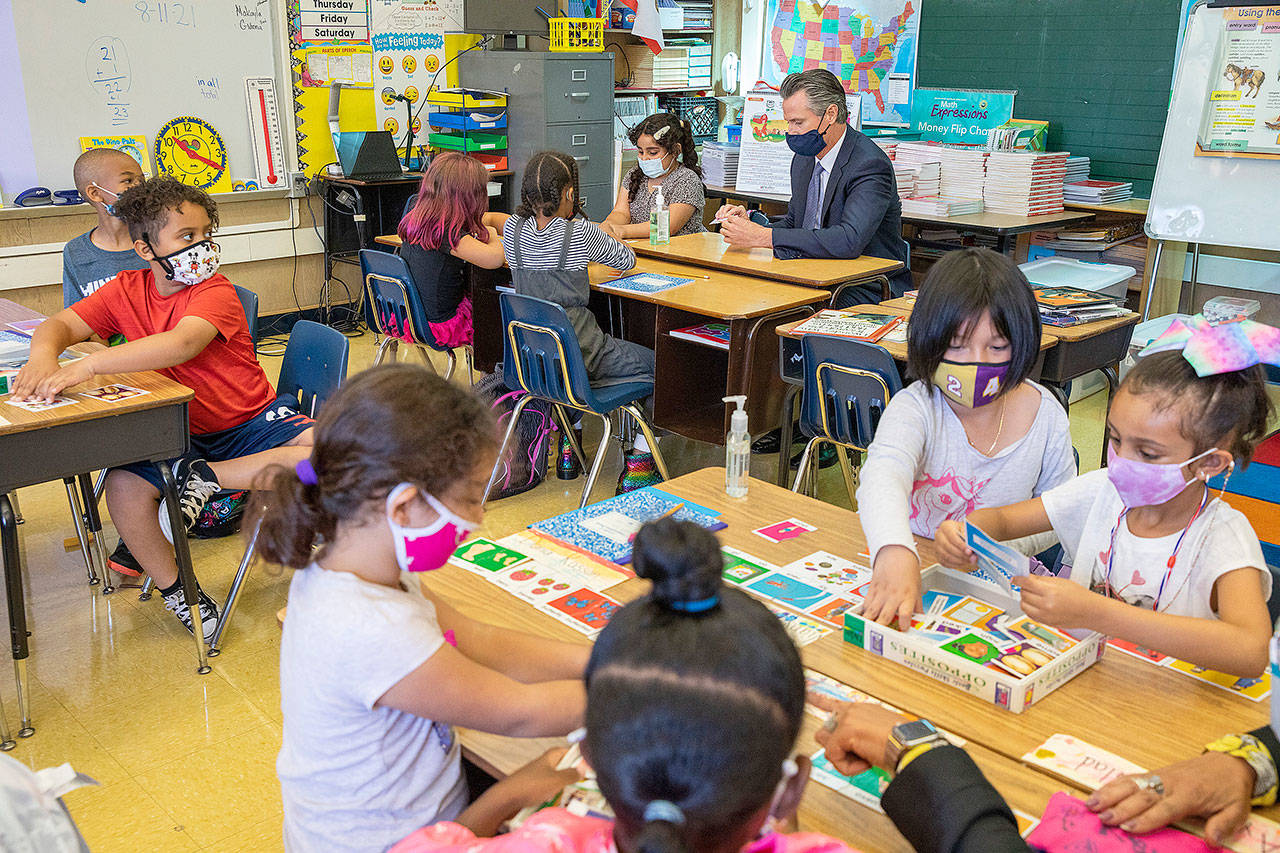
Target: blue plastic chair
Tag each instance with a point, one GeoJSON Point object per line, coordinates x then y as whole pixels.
{"type": "Point", "coordinates": [314, 365]}
{"type": "Point", "coordinates": [541, 356]}
{"type": "Point", "coordinates": [249, 300]}
{"type": "Point", "coordinates": [847, 385]}
{"type": "Point", "coordinates": [394, 309]}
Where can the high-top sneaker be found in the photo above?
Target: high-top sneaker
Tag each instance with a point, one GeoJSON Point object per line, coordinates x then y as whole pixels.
{"type": "Point", "coordinates": [638, 471]}
{"type": "Point", "coordinates": [567, 466]}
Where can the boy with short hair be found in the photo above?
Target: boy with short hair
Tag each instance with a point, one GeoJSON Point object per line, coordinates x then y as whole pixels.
{"type": "Point", "coordinates": [183, 319]}
{"type": "Point", "coordinates": [92, 259]}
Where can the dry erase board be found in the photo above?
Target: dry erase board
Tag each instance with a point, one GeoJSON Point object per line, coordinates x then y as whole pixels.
{"type": "Point", "coordinates": [1223, 201]}
{"type": "Point", "coordinates": [73, 68]}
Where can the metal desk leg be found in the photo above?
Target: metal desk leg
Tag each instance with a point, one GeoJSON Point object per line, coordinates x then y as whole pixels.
{"type": "Point", "coordinates": [788, 421]}
{"type": "Point", "coordinates": [6, 740]}
{"type": "Point", "coordinates": [17, 609]}
{"type": "Point", "coordinates": [82, 529]}
{"type": "Point", "coordinates": [94, 524]}
{"type": "Point", "coordinates": [186, 573]}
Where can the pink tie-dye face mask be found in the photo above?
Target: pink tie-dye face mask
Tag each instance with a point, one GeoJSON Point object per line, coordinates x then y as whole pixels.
{"type": "Point", "coordinates": [1147, 483]}
{"type": "Point", "coordinates": [424, 549]}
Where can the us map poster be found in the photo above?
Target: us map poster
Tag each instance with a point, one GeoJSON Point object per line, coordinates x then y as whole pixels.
{"type": "Point", "coordinates": [1241, 115]}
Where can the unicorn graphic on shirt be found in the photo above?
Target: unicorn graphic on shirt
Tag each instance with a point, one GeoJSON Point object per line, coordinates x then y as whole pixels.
{"type": "Point", "coordinates": [937, 499]}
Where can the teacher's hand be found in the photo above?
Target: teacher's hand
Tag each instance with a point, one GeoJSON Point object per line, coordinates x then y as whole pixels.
{"type": "Point", "coordinates": [1214, 786]}
{"type": "Point", "coordinates": [856, 735]}
{"type": "Point", "coordinates": [742, 232]}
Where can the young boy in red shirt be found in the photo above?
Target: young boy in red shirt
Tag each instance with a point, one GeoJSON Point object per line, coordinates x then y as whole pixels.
{"type": "Point", "coordinates": [183, 319]}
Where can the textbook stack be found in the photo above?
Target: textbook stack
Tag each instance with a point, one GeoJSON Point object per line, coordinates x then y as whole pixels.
{"type": "Point", "coordinates": [1098, 192]}
{"type": "Point", "coordinates": [917, 181]}
{"type": "Point", "coordinates": [963, 174]}
{"type": "Point", "coordinates": [1025, 183]}
{"type": "Point", "coordinates": [889, 148]}
{"type": "Point", "coordinates": [936, 206]}
{"type": "Point", "coordinates": [666, 70]}
{"type": "Point", "coordinates": [1077, 169]}
{"type": "Point", "coordinates": [905, 177]}
{"type": "Point", "coordinates": [720, 163]}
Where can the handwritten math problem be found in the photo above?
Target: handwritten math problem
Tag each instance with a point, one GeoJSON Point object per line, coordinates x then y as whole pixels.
{"type": "Point", "coordinates": [107, 68]}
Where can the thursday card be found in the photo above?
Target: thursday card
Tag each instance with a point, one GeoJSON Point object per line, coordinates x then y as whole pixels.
{"type": "Point", "coordinates": [781, 531]}
{"type": "Point", "coordinates": [114, 393]}
{"type": "Point", "coordinates": [40, 405]}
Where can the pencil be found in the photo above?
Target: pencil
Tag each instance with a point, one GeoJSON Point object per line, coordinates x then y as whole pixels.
{"type": "Point", "coordinates": [685, 274]}
{"type": "Point", "coordinates": [671, 511]}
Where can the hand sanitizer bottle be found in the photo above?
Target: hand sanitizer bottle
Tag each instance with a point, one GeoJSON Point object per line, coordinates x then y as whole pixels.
{"type": "Point", "coordinates": [659, 221]}
{"type": "Point", "coordinates": [737, 450]}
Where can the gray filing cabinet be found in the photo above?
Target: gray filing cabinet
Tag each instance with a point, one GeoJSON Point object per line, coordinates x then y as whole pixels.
{"type": "Point", "coordinates": [559, 101]}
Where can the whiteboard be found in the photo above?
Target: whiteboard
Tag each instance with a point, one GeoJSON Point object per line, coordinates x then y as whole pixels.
{"type": "Point", "coordinates": [1223, 201]}
{"type": "Point", "coordinates": [116, 67]}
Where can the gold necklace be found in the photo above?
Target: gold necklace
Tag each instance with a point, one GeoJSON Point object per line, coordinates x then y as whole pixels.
{"type": "Point", "coordinates": [999, 427]}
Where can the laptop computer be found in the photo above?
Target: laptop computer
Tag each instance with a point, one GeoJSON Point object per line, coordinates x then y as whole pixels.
{"type": "Point", "coordinates": [368, 155]}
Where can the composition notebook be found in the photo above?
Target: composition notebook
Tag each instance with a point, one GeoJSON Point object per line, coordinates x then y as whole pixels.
{"type": "Point", "coordinates": [643, 282]}
{"type": "Point", "coordinates": [607, 528]}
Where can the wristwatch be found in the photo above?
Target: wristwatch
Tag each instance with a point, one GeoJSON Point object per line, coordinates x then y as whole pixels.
{"type": "Point", "coordinates": [1255, 753]}
{"type": "Point", "coordinates": [906, 737]}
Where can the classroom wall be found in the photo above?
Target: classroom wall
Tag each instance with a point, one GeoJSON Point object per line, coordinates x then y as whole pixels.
{"type": "Point", "coordinates": [1100, 71]}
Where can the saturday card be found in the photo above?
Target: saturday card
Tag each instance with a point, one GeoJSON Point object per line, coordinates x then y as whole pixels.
{"type": "Point", "coordinates": [781, 531]}
{"type": "Point", "coordinates": [114, 393]}
{"type": "Point", "coordinates": [40, 405]}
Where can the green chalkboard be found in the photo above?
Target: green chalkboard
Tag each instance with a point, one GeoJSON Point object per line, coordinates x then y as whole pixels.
{"type": "Point", "coordinates": [1100, 71]}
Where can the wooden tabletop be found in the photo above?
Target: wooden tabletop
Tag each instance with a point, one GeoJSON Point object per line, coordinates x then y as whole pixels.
{"type": "Point", "coordinates": [897, 349]}
{"type": "Point", "coordinates": [1070, 334]}
{"type": "Point", "coordinates": [716, 191]}
{"type": "Point", "coordinates": [1133, 708]}
{"type": "Point", "coordinates": [997, 223]}
{"type": "Point", "coordinates": [712, 293]}
{"type": "Point", "coordinates": [710, 250]}
{"type": "Point", "coordinates": [162, 391]}
{"type": "Point", "coordinates": [389, 240]}
{"type": "Point", "coordinates": [1137, 206]}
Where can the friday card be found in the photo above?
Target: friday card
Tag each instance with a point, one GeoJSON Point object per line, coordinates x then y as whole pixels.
{"type": "Point", "coordinates": [486, 555]}
{"type": "Point", "coordinates": [865, 788]}
{"type": "Point", "coordinates": [1079, 763]}
{"type": "Point", "coordinates": [781, 531]}
{"type": "Point", "coordinates": [114, 393]}
{"type": "Point", "coordinates": [788, 590]}
{"type": "Point", "coordinates": [1256, 688]}
{"type": "Point", "coordinates": [40, 405]}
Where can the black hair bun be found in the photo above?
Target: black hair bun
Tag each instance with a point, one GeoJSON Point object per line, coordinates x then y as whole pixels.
{"type": "Point", "coordinates": [683, 562]}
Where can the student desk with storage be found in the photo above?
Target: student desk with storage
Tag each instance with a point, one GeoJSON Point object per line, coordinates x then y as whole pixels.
{"type": "Point", "coordinates": [36, 447]}
{"type": "Point", "coordinates": [1124, 705]}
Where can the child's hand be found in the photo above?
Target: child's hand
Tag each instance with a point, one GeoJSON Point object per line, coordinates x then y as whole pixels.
{"type": "Point", "coordinates": [953, 552]}
{"type": "Point", "coordinates": [856, 735]}
{"type": "Point", "coordinates": [539, 780]}
{"type": "Point", "coordinates": [894, 592]}
{"type": "Point", "coordinates": [610, 229]}
{"type": "Point", "coordinates": [1059, 602]}
{"type": "Point", "coordinates": [44, 384]}
{"type": "Point", "coordinates": [35, 371]}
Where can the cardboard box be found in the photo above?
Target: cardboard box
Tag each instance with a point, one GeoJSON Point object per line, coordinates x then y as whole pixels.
{"type": "Point", "coordinates": [923, 655]}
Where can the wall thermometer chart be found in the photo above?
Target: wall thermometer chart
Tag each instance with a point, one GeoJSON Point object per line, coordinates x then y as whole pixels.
{"type": "Point", "coordinates": [264, 131]}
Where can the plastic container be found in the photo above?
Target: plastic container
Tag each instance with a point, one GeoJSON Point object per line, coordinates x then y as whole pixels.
{"type": "Point", "coordinates": [659, 220]}
{"type": "Point", "coordinates": [468, 142]}
{"type": "Point", "coordinates": [703, 113]}
{"type": "Point", "coordinates": [1223, 309]}
{"type": "Point", "coordinates": [1108, 279]}
{"type": "Point", "coordinates": [1145, 333]}
{"type": "Point", "coordinates": [576, 35]}
{"type": "Point", "coordinates": [737, 450]}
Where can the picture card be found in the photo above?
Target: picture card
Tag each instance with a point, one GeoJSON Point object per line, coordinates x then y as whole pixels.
{"type": "Point", "coordinates": [788, 590]}
{"type": "Point", "coordinates": [1258, 835]}
{"type": "Point", "coordinates": [781, 531]}
{"type": "Point", "coordinates": [866, 788]}
{"type": "Point", "coordinates": [834, 610]}
{"type": "Point", "coordinates": [740, 568]}
{"type": "Point", "coordinates": [801, 629]}
{"type": "Point", "coordinates": [583, 610]}
{"type": "Point", "coordinates": [1000, 561]}
{"type": "Point", "coordinates": [114, 393]}
{"type": "Point", "coordinates": [1022, 659]}
{"type": "Point", "coordinates": [1137, 651]}
{"type": "Point", "coordinates": [40, 405]}
{"type": "Point", "coordinates": [1255, 688]}
{"type": "Point", "coordinates": [531, 583]}
{"type": "Point", "coordinates": [1047, 636]}
{"type": "Point", "coordinates": [971, 611]}
{"type": "Point", "coordinates": [828, 571]}
{"type": "Point", "coordinates": [486, 555]}
{"type": "Point", "coordinates": [945, 600]}
{"type": "Point", "coordinates": [1079, 763]}
{"type": "Point", "coordinates": [25, 327]}
{"type": "Point", "coordinates": [972, 647]}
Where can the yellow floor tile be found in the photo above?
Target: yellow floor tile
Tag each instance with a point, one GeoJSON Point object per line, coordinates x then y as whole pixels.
{"type": "Point", "coordinates": [122, 818]}
{"type": "Point", "coordinates": [266, 835]}
{"type": "Point", "coordinates": [214, 805]}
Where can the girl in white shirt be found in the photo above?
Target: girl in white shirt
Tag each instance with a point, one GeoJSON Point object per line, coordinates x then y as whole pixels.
{"type": "Point", "coordinates": [1179, 571]}
{"type": "Point", "coordinates": [971, 431]}
{"type": "Point", "coordinates": [374, 670]}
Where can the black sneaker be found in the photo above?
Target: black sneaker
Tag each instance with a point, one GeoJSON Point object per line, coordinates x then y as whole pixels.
{"type": "Point", "coordinates": [124, 562]}
{"type": "Point", "coordinates": [208, 611]}
{"type": "Point", "coordinates": [827, 457]}
{"type": "Point", "coordinates": [196, 484]}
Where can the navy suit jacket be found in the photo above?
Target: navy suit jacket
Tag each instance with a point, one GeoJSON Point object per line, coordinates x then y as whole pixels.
{"type": "Point", "coordinates": [861, 214]}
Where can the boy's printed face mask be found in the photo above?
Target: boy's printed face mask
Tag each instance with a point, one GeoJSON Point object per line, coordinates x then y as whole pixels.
{"type": "Point", "coordinates": [190, 265]}
{"type": "Point", "coordinates": [971, 383]}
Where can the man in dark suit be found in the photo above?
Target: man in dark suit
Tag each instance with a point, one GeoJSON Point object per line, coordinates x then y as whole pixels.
{"type": "Point", "coordinates": [844, 200]}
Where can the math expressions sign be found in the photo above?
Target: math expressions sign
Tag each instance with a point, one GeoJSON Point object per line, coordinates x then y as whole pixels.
{"type": "Point", "coordinates": [958, 116]}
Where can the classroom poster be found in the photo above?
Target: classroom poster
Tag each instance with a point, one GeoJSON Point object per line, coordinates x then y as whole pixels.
{"type": "Point", "coordinates": [959, 116]}
{"type": "Point", "coordinates": [1241, 114]}
{"type": "Point", "coordinates": [408, 50]}
{"type": "Point", "coordinates": [764, 161]}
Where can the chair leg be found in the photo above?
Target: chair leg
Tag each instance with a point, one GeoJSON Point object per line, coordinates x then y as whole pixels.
{"type": "Point", "coordinates": [800, 485]}
{"type": "Point", "coordinates": [453, 364]}
{"type": "Point", "coordinates": [847, 461]}
{"type": "Point", "coordinates": [388, 347]}
{"type": "Point", "coordinates": [471, 365]}
{"type": "Point", "coordinates": [233, 595]}
{"type": "Point", "coordinates": [598, 461]}
{"type": "Point", "coordinates": [82, 535]}
{"type": "Point", "coordinates": [638, 417]}
{"type": "Point", "coordinates": [506, 440]}
{"type": "Point", "coordinates": [17, 511]}
{"type": "Point", "coordinates": [147, 586]}
{"type": "Point", "coordinates": [566, 424]}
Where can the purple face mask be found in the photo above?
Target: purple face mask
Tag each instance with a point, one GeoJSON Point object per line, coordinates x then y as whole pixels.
{"type": "Point", "coordinates": [971, 383]}
{"type": "Point", "coordinates": [1147, 483]}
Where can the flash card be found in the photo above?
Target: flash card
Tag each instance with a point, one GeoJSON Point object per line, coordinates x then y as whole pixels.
{"type": "Point", "coordinates": [40, 405]}
{"type": "Point", "coordinates": [114, 393]}
{"type": "Point", "coordinates": [781, 531]}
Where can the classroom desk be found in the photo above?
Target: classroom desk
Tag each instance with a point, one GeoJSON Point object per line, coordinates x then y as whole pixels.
{"type": "Point", "coordinates": [1127, 706]}
{"type": "Point", "coordinates": [36, 447]}
{"type": "Point", "coordinates": [1136, 206]}
{"type": "Point", "coordinates": [790, 359]}
{"type": "Point", "coordinates": [691, 378]}
{"type": "Point", "coordinates": [709, 249]}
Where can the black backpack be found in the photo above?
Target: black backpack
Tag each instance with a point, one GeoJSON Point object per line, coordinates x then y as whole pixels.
{"type": "Point", "coordinates": [525, 464]}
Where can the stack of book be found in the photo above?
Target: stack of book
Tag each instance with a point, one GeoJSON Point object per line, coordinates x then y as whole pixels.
{"type": "Point", "coordinates": [1071, 306]}
{"type": "Point", "coordinates": [1025, 183]}
{"type": "Point", "coordinates": [937, 206]}
{"type": "Point", "coordinates": [1090, 237]}
{"type": "Point", "coordinates": [888, 148]}
{"type": "Point", "coordinates": [1077, 169]}
{"type": "Point", "coordinates": [666, 70]}
{"type": "Point", "coordinates": [963, 174]}
{"type": "Point", "coordinates": [928, 178]}
{"type": "Point", "coordinates": [1098, 192]}
{"type": "Point", "coordinates": [720, 163]}
{"type": "Point", "coordinates": [905, 178]}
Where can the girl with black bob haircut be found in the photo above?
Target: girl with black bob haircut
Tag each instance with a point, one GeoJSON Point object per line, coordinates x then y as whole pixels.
{"type": "Point", "coordinates": [668, 159]}
{"type": "Point", "coordinates": [971, 431]}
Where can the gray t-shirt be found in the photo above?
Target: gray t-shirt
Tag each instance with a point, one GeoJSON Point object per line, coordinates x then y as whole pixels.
{"type": "Point", "coordinates": [85, 267]}
{"type": "Point", "coordinates": [680, 187]}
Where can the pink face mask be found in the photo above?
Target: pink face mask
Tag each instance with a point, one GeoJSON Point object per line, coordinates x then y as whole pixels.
{"type": "Point", "coordinates": [1147, 483]}
{"type": "Point", "coordinates": [424, 549]}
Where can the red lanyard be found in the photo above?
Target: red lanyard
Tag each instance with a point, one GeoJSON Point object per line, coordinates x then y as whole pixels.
{"type": "Point", "coordinates": [1173, 558]}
